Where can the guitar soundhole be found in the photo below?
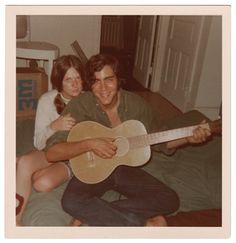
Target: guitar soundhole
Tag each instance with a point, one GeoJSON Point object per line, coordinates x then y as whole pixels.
{"type": "Point", "coordinates": [122, 146]}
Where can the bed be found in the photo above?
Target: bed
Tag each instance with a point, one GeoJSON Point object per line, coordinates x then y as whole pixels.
{"type": "Point", "coordinates": [194, 172]}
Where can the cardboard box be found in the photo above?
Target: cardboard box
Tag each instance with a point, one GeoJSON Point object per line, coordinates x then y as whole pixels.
{"type": "Point", "coordinates": [30, 85]}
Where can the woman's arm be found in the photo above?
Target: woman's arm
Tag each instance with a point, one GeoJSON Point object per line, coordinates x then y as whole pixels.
{"type": "Point", "coordinates": [45, 114]}
{"type": "Point", "coordinates": [48, 121]}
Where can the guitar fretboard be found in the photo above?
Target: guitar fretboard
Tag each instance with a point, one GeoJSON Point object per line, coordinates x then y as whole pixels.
{"type": "Point", "coordinates": [161, 137]}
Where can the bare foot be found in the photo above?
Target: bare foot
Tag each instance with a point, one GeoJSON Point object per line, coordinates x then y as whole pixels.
{"type": "Point", "coordinates": [75, 222]}
{"type": "Point", "coordinates": [157, 221]}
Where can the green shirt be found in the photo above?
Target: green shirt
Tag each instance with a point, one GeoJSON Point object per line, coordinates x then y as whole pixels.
{"type": "Point", "coordinates": [85, 108]}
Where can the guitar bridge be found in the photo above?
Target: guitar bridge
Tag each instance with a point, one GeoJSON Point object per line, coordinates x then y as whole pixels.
{"type": "Point", "coordinates": [91, 159]}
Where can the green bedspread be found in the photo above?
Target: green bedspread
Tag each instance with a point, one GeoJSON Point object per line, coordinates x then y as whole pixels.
{"type": "Point", "coordinates": [194, 172]}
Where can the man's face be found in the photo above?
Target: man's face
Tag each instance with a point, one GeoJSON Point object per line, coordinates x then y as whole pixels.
{"type": "Point", "coordinates": [105, 87]}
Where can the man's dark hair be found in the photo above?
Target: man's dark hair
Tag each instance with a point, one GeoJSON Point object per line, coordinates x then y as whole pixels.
{"type": "Point", "coordinates": [97, 62]}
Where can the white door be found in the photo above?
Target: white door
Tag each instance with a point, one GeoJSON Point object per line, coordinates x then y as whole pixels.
{"type": "Point", "coordinates": [144, 49]}
{"type": "Point", "coordinates": [180, 64]}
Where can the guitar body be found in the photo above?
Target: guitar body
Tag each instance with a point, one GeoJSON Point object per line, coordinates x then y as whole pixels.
{"type": "Point", "coordinates": [133, 146]}
{"type": "Point", "coordinates": [89, 167]}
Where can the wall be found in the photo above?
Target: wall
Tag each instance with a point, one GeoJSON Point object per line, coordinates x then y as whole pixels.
{"type": "Point", "coordinates": [63, 30]}
{"type": "Point", "coordinates": [209, 95]}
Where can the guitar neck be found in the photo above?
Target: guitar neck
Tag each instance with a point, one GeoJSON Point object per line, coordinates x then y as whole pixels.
{"type": "Point", "coordinates": [161, 137]}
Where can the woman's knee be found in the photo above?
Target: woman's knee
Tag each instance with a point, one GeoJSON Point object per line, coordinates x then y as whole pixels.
{"type": "Point", "coordinates": [43, 184]}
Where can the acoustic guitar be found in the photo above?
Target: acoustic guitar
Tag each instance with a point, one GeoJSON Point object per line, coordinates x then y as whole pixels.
{"type": "Point", "coordinates": [133, 146]}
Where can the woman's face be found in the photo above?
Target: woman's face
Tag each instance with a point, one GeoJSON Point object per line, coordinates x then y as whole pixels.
{"type": "Point", "coordinates": [71, 84]}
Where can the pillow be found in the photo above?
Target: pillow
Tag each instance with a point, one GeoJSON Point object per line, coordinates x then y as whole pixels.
{"type": "Point", "coordinates": [44, 209]}
{"type": "Point", "coordinates": [24, 136]}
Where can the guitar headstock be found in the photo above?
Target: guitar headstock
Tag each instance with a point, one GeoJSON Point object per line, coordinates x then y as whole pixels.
{"type": "Point", "coordinates": [216, 126]}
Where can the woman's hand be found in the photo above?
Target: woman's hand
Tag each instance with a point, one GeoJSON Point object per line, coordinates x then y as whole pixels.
{"type": "Point", "coordinates": [103, 147]}
{"type": "Point", "coordinates": [63, 123]}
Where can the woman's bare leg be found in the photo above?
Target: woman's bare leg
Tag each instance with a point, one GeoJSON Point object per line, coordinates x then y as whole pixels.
{"type": "Point", "coordinates": [26, 166]}
{"type": "Point", "coordinates": [47, 179]}
{"type": "Point", "coordinates": [33, 168]}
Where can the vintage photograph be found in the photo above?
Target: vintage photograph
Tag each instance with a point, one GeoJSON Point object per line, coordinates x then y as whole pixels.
{"type": "Point", "coordinates": [118, 117]}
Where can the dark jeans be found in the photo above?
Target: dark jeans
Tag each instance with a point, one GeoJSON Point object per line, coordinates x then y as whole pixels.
{"type": "Point", "coordinates": [145, 197]}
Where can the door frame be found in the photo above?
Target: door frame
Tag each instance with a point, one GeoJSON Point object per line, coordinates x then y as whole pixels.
{"type": "Point", "coordinates": [162, 31]}
{"type": "Point", "coordinates": [199, 53]}
{"type": "Point", "coordinates": [142, 74]}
